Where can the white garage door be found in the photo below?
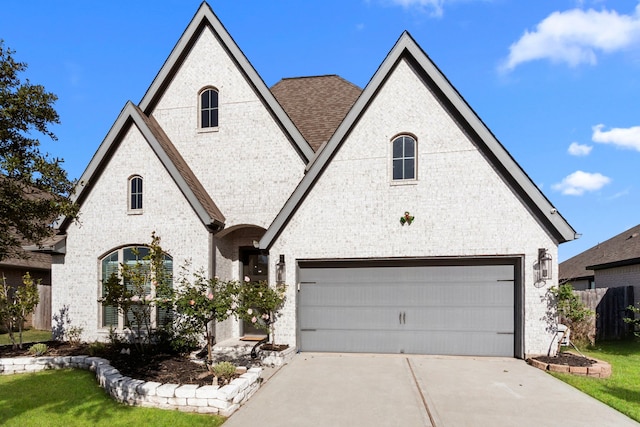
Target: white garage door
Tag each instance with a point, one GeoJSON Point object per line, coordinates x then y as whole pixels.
{"type": "Point", "coordinates": [441, 309]}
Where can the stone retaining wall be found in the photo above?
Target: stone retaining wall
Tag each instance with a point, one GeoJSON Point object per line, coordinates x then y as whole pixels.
{"type": "Point", "coordinates": [598, 370]}
{"type": "Point", "coordinates": [189, 398]}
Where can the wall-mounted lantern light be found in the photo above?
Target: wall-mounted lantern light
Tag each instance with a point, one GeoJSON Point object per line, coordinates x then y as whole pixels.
{"type": "Point", "coordinates": [545, 266]}
{"type": "Point", "coordinates": [281, 271]}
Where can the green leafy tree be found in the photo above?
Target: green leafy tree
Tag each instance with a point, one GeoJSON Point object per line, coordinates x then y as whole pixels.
{"type": "Point", "coordinates": [200, 303]}
{"type": "Point", "coordinates": [260, 304]}
{"type": "Point", "coordinates": [16, 303]}
{"type": "Point", "coordinates": [34, 189]}
{"type": "Point", "coordinates": [572, 312]}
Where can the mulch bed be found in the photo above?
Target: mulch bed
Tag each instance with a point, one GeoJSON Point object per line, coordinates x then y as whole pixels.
{"type": "Point", "coordinates": [159, 367]}
{"type": "Point", "coordinates": [567, 359]}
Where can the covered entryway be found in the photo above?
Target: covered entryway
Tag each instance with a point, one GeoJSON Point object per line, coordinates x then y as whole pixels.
{"type": "Point", "coordinates": [452, 307]}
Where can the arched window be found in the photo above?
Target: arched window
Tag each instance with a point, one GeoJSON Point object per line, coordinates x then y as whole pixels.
{"type": "Point", "coordinates": [135, 193]}
{"type": "Point", "coordinates": [209, 108]}
{"type": "Point", "coordinates": [141, 292]}
{"type": "Point", "coordinates": [404, 158]}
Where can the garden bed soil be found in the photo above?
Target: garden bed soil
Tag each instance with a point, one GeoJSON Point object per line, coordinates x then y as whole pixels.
{"type": "Point", "coordinates": [160, 367]}
{"type": "Point", "coordinates": [566, 359]}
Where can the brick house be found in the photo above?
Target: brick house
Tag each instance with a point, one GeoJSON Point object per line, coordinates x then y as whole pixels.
{"type": "Point", "coordinates": [609, 264]}
{"type": "Point", "coordinates": [235, 176]}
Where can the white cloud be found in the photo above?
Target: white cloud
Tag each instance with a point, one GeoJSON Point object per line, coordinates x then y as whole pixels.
{"type": "Point", "coordinates": [574, 37]}
{"type": "Point", "coordinates": [620, 137]}
{"type": "Point", "coordinates": [576, 149]}
{"type": "Point", "coordinates": [619, 194]}
{"type": "Point", "coordinates": [435, 7]}
{"type": "Point", "coordinates": [579, 182]}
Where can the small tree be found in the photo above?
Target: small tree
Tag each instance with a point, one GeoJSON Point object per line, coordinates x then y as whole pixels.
{"type": "Point", "coordinates": [634, 321]}
{"type": "Point", "coordinates": [199, 304]}
{"type": "Point", "coordinates": [260, 304]}
{"type": "Point", "coordinates": [143, 286]}
{"type": "Point", "coordinates": [16, 304]}
{"type": "Point", "coordinates": [572, 312]}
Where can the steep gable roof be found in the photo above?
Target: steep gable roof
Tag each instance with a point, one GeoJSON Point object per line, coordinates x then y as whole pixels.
{"type": "Point", "coordinates": [169, 156]}
{"type": "Point", "coordinates": [619, 250]}
{"type": "Point", "coordinates": [406, 48]}
{"type": "Point", "coordinates": [317, 105]}
{"type": "Point", "coordinates": [205, 18]}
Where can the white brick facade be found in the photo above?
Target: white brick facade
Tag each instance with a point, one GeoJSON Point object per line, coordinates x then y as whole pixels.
{"type": "Point", "coordinates": [461, 206]}
{"type": "Point", "coordinates": [252, 166]}
{"type": "Point", "coordinates": [104, 225]}
{"type": "Point", "coordinates": [247, 165]}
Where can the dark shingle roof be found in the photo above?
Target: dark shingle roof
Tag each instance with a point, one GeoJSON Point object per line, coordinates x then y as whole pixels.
{"type": "Point", "coordinates": [316, 105]}
{"type": "Point", "coordinates": [185, 171]}
{"type": "Point", "coordinates": [39, 261]}
{"type": "Point", "coordinates": [623, 247]}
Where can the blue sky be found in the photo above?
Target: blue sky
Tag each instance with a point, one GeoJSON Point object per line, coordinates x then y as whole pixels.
{"type": "Point", "coordinates": [558, 82]}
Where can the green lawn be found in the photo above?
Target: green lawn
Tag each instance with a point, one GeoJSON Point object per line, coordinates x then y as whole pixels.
{"type": "Point", "coordinates": [73, 398]}
{"type": "Point", "coordinates": [622, 390]}
{"type": "Point", "coordinates": [32, 335]}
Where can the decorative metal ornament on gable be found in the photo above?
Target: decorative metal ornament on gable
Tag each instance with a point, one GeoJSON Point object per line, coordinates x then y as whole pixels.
{"type": "Point", "coordinates": [406, 218]}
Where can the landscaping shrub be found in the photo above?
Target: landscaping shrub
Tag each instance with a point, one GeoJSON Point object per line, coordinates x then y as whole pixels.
{"type": "Point", "coordinates": [38, 349]}
{"type": "Point", "coordinates": [224, 370]}
{"type": "Point", "coordinates": [573, 313]}
{"type": "Point", "coordinates": [16, 304]}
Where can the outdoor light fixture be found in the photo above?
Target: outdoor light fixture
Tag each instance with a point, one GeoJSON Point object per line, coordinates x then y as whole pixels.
{"type": "Point", "coordinates": [281, 271]}
{"type": "Point", "coordinates": [543, 271]}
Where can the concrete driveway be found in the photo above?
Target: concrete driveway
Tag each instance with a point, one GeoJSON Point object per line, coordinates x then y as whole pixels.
{"type": "Point", "coordinates": [324, 389]}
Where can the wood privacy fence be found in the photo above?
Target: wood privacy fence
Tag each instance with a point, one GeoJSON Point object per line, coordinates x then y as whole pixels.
{"type": "Point", "coordinates": [610, 306]}
{"type": "Point", "coordinates": [41, 318]}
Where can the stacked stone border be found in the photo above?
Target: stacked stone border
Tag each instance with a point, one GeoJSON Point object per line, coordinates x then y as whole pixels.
{"type": "Point", "coordinates": [600, 369]}
{"type": "Point", "coordinates": [210, 399]}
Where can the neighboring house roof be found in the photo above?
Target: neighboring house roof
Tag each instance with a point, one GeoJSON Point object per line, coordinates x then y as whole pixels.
{"type": "Point", "coordinates": [169, 156]}
{"type": "Point", "coordinates": [317, 105]}
{"type": "Point", "coordinates": [406, 48]}
{"type": "Point", "coordinates": [35, 261]}
{"type": "Point", "coordinates": [205, 17]}
{"type": "Point", "coordinates": [623, 249]}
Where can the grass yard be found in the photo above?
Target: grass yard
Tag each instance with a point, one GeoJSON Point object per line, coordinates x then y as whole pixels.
{"type": "Point", "coordinates": [73, 398]}
{"type": "Point", "coordinates": [622, 390]}
{"type": "Point", "coordinates": [32, 335]}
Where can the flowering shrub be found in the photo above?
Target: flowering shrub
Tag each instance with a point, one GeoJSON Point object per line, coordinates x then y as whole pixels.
{"type": "Point", "coordinates": [199, 303]}
{"type": "Point", "coordinates": [195, 304]}
{"type": "Point", "coordinates": [260, 304]}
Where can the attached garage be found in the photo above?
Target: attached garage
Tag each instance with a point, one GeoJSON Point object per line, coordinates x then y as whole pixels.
{"type": "Point", "coordinates": [449, 307]}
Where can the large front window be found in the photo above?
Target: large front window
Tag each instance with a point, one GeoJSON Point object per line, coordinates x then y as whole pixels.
{"type": "Point", "coordinates": [133, 257]}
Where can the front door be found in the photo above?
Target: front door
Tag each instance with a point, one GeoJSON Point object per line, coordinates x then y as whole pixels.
{"type": "Point", "coordinates": [254, 266]}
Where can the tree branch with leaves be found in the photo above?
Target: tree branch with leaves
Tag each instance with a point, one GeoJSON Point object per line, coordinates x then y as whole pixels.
{"type": "Point", "coordinates": [34, 188]}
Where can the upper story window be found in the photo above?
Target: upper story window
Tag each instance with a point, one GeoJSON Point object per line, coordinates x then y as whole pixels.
{"type": "Point", "coordinates": [135, 193]}
{"type": "Point", "coordinates": [209, 108]}
{"type": "Point", "coordinates": [404, 158]}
